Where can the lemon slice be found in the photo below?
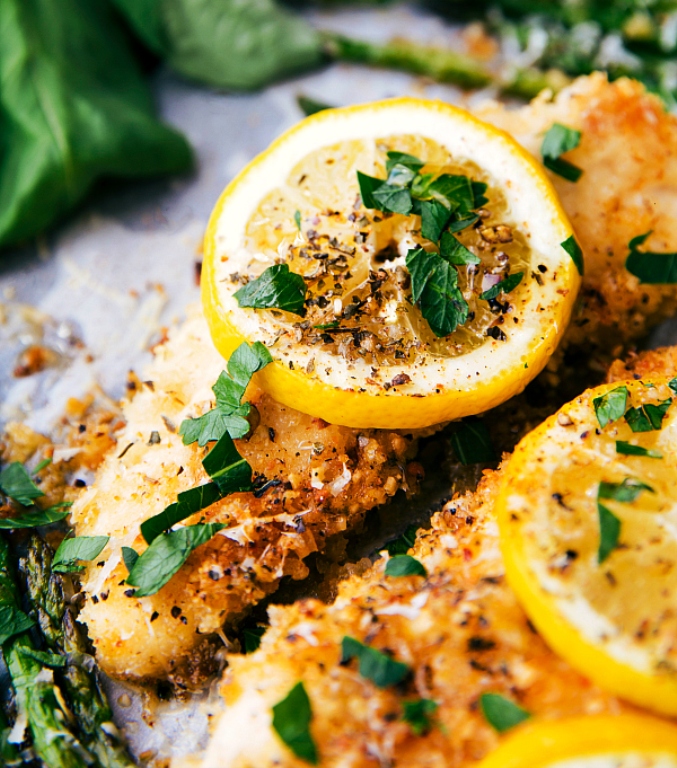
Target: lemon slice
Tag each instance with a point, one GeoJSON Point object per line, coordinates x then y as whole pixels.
{"type": "Point", "coordinates": [587, 510]}
{"type": "Point", "coordinates": [599, 741]}
{"type": "Point", "coordinates": [363, 354]}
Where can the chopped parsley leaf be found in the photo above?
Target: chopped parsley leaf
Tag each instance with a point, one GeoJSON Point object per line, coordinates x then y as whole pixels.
{"type": "Point", "coordinates": [501, 713]}
{"type": "Point", "coordinates": [627, 491]}
{"type": "Point", "coordinates": [297, 219]}
{"type": "Point", "coordinates": [558, 140]}
{"type": "Point", "coordinates": [405, 565]}
{"type": "Point", "coordinates": [228, 470]}
{"type": "Point", "coordinates": [40, 517]}
{"type": "Point", "coordinates": [434, 218]}
{"type": "Point", "coordinates": [455, 252]}
{"type": "Point", "coordinates": [509, 283]}
{"type": "Point", "coordinates": [402, 544]}
{"type": "Point", "coordinates": [188, 503]}
{"type": "Point", "coordinates": [275, 288]}
{"type": "Point", "coordinates": [611, 406]}
{"type": "Point", "coordinates": [129, 557]}
{"type": "Point", "coordinates": [609, 532]}
{"type": "Point", "coordinates": [417, 714]}
{"type": "Point", "coordinates": [402, 158]}
{"type": "Point", "coordinates": [574, 250]}
{"type": "Point", "coordinates": [374, 665]}
{"type": "Point", "coordinates": [16, 483]}
{"type": "Point", "coordinates": [70, 551]}
{"type": "Point", "coordinates": [650, 267]}
{"type": "Point", "coordinates": [472, 443]}
{"type": "Point", "coordinates": [291, 722]}
{"type": "Point", "coordinates": [251, 638]}
{"type": "Point", "coordinates": [648, 417]}
{"type": "Point", "coordinates": [629, 449]}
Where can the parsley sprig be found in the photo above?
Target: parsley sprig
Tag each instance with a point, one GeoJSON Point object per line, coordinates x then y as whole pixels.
{"type": "Point", "coordinates": [559, 140]}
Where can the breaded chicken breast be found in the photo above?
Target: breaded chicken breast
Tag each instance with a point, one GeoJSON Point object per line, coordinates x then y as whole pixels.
{"type": "Point", "coordinates": [628, 154]}
{"type": "Point", "coordinates": [321, 481]}
{"type": "Point", "coordinates": [460, 630]}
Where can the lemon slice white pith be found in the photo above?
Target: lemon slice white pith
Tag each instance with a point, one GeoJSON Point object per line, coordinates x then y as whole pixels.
{"type": "Point", "coordinates": [312, 170]}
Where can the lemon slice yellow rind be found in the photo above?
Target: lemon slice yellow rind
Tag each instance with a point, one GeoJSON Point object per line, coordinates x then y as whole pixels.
{"type": "Point", "coordinates": [450, 387]}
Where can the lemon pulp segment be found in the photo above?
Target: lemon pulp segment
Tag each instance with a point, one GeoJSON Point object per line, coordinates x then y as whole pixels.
{"type": "Point", "coordinates": [363, 355]}
{"type": "Point", "coordinates": [612, 617]}
{"type": "Point", "coordinates": [597, 741]}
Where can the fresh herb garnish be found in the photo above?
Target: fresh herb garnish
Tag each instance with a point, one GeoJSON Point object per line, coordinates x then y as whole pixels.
{"type": "Point", "coordinates": [13, 622]}
{"type": "Point", "coordinates": [275, 288]}
{"type": "Point", "coordinates": [673, 385]}
{"type": "Point", "coordinates": [455, 252]}
{"type": "Point", "coordinates": [405, 565]}
{"type": "Point", "coordinates": [230, 413]}
{"type": "Point", "coordinates": [16, 483]}
{"type": "Point", "coordinates": [434, 287]}
{"type": "Point", "coordinates": [297, 219]}
{"type": "Point", "coordinates": [402, 544]}
{"type": "Point", "coordinates": [558, 140]}
{"type": "Point", "coordinates": [188, 503]}
{"type": "Point", "coordinates": [609, 532]}
{"type": "Point", "coordinates": [434, 217]}
{"type": "Point", "coordinates": [71, 551]}
{"type": "Point", "coordinates": [251, 638]}
{"type": "Point", "coordinates": [650, 267]}
{"type": "Point", "coordinates": [501, 713]}
{"type": "Point", "coordinates": [129, 557]}
{"type": "Point", "coordinates": [166, 554]}
{"type": "Point", "coordinates": [629, 449]}
{"type": "Point", "coordinates": [373, 665]}
{"type": "Point", "coordinates": [291, 722]}
{"type": "Point", "coordinates": [611, 406]}
{"type": "Point", "coordinates": [627, 491]}
{"type": "Point", "coordinates": [648, 417]}
{"type": "Point", "coordinates": [417, 713]}
{"type": "Point", "coordinates": [472, 443]}
{"type": "Point", "coordinates": [40, 517]}
{"type": "Point", "coordinates": [509, 283]}
{"type": "Point", "coordinates": [574, 250]}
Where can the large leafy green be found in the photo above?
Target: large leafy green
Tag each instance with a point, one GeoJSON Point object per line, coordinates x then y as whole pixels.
{"type": "Point", "coordinates": [225, 43]}
{"type": "Point", "coordinates": [73, 108]}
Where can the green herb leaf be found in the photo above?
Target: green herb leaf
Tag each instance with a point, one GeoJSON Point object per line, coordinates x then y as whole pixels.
{"type": "Point", "coordinates": [70, 551]}
{"type": "Point", "coordinates": [275, 288]}
{"type": "Point", "coordinates": [311, 107]}
{"type": "Point", "coordinates": [417, 713]}
{"type": "Point", "coordinates": [44, 463]}
{"type": "Point", "coordinates": [228, 470]}
{"type": "Point", "coordinates": [461, 222]}
{"type": "Point", "coordinates": [649, 417]}
{"type": "Point", "coordinates": [650, 267]}
{"type": "Point", "coordinates": [434, 217]}
{"type": "Point", "coordinates": [405, 565]}
{"type": "Point", "coordinates": [402, 544]}
{"type": "Point", "coordinates": [229, 413]}
{"type": "Point", "coordinates": [453, 191]}
{"type": "Point", "coordinates": [627, 491]}
{"type": "Point", "coordinates": [373, 665]}
{"type": "Point", "coordinates": [478, 190]}
{"type": "Point", "coordinates": [129, 557]}
{"type": "Point", "coordinates": [394, 199]}
{"type": "Point", "coordinates": [609, 532]}
{"type": "Point", "coordinates": [501, 713]}
{"type": "Point", "coordinates": [434, 286]}
{"type": "Point", "coordinates": [400, 176]}
{"type": "Point", "coordinates": [42, 517]}
{"type": "Point", "coordinates": [509, 283]}
{"type": "Point", "coordinates": [455, 252]}
{"type": "Point", "coordinates": [558, 140]}
{"type": "Point", "coordinates": [297, 219]}
{"type": "Point", "coordinates": [188, 503]}
{"type": "Point", "coordinates": [402, 158]}
{"type": "Point", "coordinates": [368, 185]}
{"type": "Point", "coordinates": [629, 449]}
{"type": "Point", "coordinates": [291, 721]}
{"type": "Point", "coordinates": [611, 406]}
{"type": "Point", "coordinates": [16, 483]}
{"type": "Point", "coordinates": [419, 188]}
{"type": "Point", "coordinates": [251, 637]}
{"type": "Point", "coordinates": [13, 622]}
{"type": "Point", "coordinates": [472, 443]}
{"type": "Point", "coordinates": [673, 385]}
{"type": "Point", "coordinates": [166, 554]}
{"type": "Point", "coordinates": [574, 250]}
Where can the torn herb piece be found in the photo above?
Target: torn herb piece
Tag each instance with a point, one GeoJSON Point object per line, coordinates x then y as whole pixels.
{"type": "Point", "coordinates": [404, 159]}
{"type": "Point", "coordinates": [558, 140]}
{"type": "Point", "coordinates": [627, 491]}
{"type": "Point", "coordinates": [297, 219]}
{"type": "Point", "coordinates": [392, 198]}
{"type": "Point", "coordinates": [609, 532]}
{"type": "Point", "coordinates": [434, 217]}
{"type": "Point", "coordinates": [673, 385]}
{"type": "Point", "coordinates": [373, 665]}
{"type": "Point", "coordinates": [434, 287]}
{"type": "Point", "coordinates": [188, 503]}
{"type": "Point", "coordinates": [166, 554]}
{"type": "Point", "coordinates": [400, 176]}
{"type": "Point", "coordinates": [16, 483]}
{"type": "Point", "coordinates": [501, 713]}
{"type": "Point", "coordinates": [291, 721]}
{"type": "Point", "coordinates": [455, 252]}
{"type": "Point", "coordinates": [53, 514]}
{"type": "Point", "coordinates": [368, 184]}
{"type": "Point", "coordinates": [509, 283]}
{"type": "Point", "coordinates": [251, 638]}
{"type": "Point", "coordinates": [13, 622]}
{"type": "Point", "coordinates": [650, 267]}
{"type": "Point", "coordinates": [648, 417]}
{"type": "Point", "coordinates": [478, 190]}
{"type": "Point", "coordinates": [402, 544]}
{"type": "Point", "coordinates": [310, 106]}
{"type": "Point", "coordinates": [611, 406]}
{"type": "Point", "coordinates": [129, 557]}
{"type": "Point", "coordinates": [229, 471]}
{"type": "Point", "coordinates": [472, 443]}
{"type": "Point", "coordinates": [460, 222]}
{"type": "Point", "coordinates": [71, 551]}
{"type": "Point", "coordinates": [574, 250]}
{"type": "Point", "coordinates": [453, 191]}
{"type": "Point", "coordinates": [417, 713]}
{"type": "Point", "coordinates": [275, 288]}
{"type": "Point", "coordinates": [405, 565]}
{"type": "Point", "coordinates": [229, 414]}
{"type": "Point", "coordinates": [629, 449]}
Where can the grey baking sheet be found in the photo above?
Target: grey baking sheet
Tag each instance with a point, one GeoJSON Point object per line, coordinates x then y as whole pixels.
{"type": "Point", "coordinates": [98, 290]}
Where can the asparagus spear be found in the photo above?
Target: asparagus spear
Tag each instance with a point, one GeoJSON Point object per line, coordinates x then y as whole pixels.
{"type": "Point", "coordinates": [63, 636]}
{"type": "Point", "coordinates": [37, 696]}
